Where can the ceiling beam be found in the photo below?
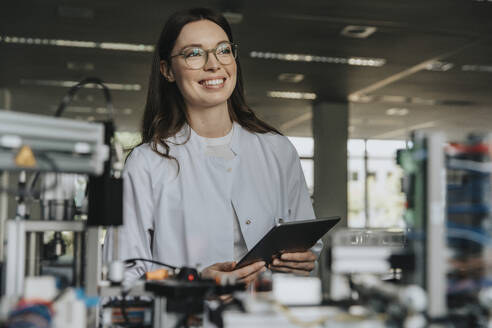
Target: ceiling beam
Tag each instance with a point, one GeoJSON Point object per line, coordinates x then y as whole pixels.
{"type": "Point", "coordinates": [383, 83]}
{"type": "Point", "coordinates": [409, 71]}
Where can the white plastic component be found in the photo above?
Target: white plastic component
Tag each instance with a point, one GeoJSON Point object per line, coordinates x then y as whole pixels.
{"type": "Point", "coordinates": [116, 271]}
{"type": "Point", "coordinates": [339, 287]}
{"type": "Point", "coordinates": [360, 266]}
{"type": "Point", "coordinates": [485, 297]}
{"type": "Point", "coordinates": [415, 321]}
{"type": "Point", "coordinates": [82, 148]}
{"type": "Point", "coordinates": [70, 312]}
{"type": "Point", "coordinates": [414, 298]}
{"type": "Point", "coordinates": [10, 141]}
{"type": "Point", "coordinates": [350, 259]}
{"type": "Point", "coordinates": [41, 288]}
{"type": "Point", "coordinates": [295, 290]}
{"type": "Point", "coordinates": [372, 252]}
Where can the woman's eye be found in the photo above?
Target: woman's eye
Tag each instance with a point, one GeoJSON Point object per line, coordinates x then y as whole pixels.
{"type": "Point", "coordinates": [193, 53]}
{"type": "Point", "coordinates": [224, 50]}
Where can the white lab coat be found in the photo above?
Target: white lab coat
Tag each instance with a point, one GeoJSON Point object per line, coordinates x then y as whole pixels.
{"type": "Point", "coordinates": [191, 212]}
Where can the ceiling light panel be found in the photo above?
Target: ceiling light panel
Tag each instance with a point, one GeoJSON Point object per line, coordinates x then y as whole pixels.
{"type": "Point", "coordinates": [355, 61]}
{"type": "Point", "coordinates": [439, 66]}
{"type": "Point", "coordinates": [69, 84]}
{"type": "Point", "coordinates": [233, 17]}
{"type": "Point", "coordinates": [291, 95]}
{"type": "Point", "coordinates": [477, 68]}
{"type": "Point", "coordinates": [397, 111]}
{"type": "Point", "coordinates": [291, 77]}
{"type": "Point", "coordinates": [360, 32]}
{"type": "Point", "coordinates": [117, 46]}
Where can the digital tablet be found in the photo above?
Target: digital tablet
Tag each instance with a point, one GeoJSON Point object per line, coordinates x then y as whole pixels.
{"type": "Point", "coordinates": [292, 236]}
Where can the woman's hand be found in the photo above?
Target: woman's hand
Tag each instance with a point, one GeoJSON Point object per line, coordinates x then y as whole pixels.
{"type": "Point", "coordinates": [245, 275]}
{"type": "Point", "coordinates": [301, 263]}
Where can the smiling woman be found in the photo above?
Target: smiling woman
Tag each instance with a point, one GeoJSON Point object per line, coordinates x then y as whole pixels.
{"type": "Point", "coordinates": [209, 178]}
{"type": "Point", "coordinates": [205, 81]}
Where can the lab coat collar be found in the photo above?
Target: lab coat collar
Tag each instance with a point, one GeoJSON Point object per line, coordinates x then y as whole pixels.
{"type": "Point", "coordinates": [199, 144]}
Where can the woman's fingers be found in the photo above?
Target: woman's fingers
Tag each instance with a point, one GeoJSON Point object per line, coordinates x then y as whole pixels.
{"type": "Point", "coordinates": [299, 256]}
{"type": "Point", "coordinates": [290, 270]}
{"type": "Point", "coordinates": [307, 266]}
{"type": "Point", "coordinates": [225, 266]}
{"type": "Point", "coordinates": [298, 262]}
{"type": "Point", "coordinates": [217, 269]}
{"type": "Point", "coordinates": [248, 270]}
{"type": "Point", "coordinates": [250, 278]}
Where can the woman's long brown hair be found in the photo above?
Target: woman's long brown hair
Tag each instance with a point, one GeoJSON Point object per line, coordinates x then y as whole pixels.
{"type": "Point", "coordinates": [165, 109]}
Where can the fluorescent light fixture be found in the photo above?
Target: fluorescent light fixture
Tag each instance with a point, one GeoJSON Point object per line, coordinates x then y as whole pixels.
{"type": "Point", "coordinates": [101, 110]}
{"type": "Point", "coordinates": [394, 99]}
{"type": "Point", "coordinates": [126, 46]}
{"type": "Point", "coordinates": [80, 66]}
{"type": "Point", "coordinates": [423, 101]}
{"type": "Point", "coordinates": [69, 84]}
{"type": "Point", "coordinates": [361, 98]}
{"type": "Point", "coordinates": [291, 95]}
{"type": "Point", "coordinates": [397, 111]}
{"type": "Point", "coordinates": [439, 66]}
{"type": "Point", "coordinates": [117, 46]}
{"type": "Point", "coordinates": [477, 68]}
{"type": "Point", "coordinates": [233, 17]}
{"type": "Point", "coordinates": [360, 32]}
{"type": "Point", "coordinates": [291, 77]}
{"type": "Point", "coordinates": [355, 61]}
{"type": "Point", "coordinates": [71, 43]}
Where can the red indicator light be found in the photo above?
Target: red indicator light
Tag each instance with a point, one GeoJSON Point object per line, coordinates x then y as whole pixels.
{"type": "Point", "coordinates": [191, 277]}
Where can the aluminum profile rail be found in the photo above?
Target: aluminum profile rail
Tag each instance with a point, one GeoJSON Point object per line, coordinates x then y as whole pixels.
{"type": "Point", "coordinates": [58, 144]}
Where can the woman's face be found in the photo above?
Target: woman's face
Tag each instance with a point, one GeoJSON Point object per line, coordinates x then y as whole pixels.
{"type": "Point", "coordinates": [211, 85]}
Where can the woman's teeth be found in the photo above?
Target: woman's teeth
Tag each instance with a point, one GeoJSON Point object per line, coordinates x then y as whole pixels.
{"type": "Point", "coordinates": [213, 82]}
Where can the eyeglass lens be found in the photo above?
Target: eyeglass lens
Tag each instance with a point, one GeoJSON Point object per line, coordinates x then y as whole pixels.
{"type": "Point", "coordinates": [196, 57]}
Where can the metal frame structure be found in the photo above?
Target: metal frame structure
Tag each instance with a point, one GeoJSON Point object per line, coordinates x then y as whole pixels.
{"type": "Point", "coordinates": [17, 231]}
{"type": "Point", "coordinates": [62, 145]}
{"type": "Point", "coordinates": [435, 248]}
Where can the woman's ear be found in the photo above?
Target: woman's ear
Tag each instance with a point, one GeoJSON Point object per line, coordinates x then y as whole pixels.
{"type": "Point", "coordinates": [166, 71]}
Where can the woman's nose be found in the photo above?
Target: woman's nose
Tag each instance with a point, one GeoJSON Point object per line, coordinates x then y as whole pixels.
{"type": "Point", "coordinates": [212, 62]}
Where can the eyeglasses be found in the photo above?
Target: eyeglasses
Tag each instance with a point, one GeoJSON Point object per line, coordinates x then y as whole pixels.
{"type": "Point", "coordinates": [197, 57]}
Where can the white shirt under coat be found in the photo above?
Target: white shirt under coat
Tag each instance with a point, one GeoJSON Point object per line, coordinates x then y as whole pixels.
{"type": "Point", "coordinates": [191, 212]}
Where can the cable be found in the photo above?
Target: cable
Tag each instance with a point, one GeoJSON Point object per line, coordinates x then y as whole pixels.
{"type": "Point", "coordinates": [469, 234]}
{"type": "Point", "coordinates": [68, 99]}
{"type": "Point", "coordinates": [123, 308]}
{"type": "Point", "coordinates": [73, 90]}
{"type": "Point", "coordinates": [132, 262]}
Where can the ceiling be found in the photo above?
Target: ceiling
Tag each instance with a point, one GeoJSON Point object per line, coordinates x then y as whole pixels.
{"type": "Point", "coordinates": [409, 36]}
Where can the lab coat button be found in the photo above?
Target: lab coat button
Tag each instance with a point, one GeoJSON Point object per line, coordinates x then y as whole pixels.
{"type": "Point", "coordinates": [248, 221]}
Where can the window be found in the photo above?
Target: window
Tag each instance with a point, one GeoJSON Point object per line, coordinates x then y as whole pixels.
{"type": "Point", "coordinates": [305, 149]}
{"type": "Point", "coordinates": [384, 202]}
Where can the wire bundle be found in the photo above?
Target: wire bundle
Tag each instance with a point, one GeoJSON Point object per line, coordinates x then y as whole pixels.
{"type": "Point", "coordinates": [32, 314]}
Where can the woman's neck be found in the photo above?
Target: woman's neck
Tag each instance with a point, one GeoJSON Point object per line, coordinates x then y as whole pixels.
{"type": "Point", "coordinates": [212, 122]}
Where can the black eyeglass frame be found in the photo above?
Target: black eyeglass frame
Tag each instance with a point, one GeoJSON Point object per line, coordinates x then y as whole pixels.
{"type": "Point", "coordinates": [214, 50]}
